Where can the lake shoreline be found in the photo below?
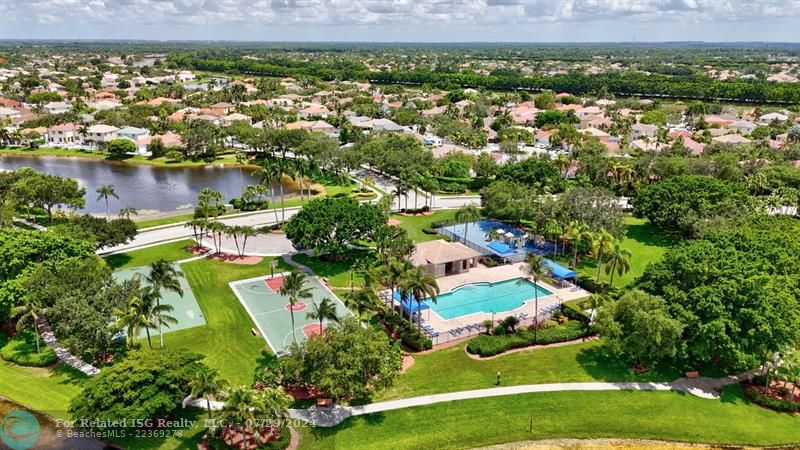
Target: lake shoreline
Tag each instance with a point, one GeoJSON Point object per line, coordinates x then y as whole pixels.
{"type": "Point", "coordinates": [137, 160]}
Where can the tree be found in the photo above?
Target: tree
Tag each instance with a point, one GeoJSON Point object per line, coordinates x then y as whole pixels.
{"type": "Point", "coordinates": [530, 172]}
{"type": "Point", "coordinates": [467, 213]}
{"type": "Point", "coordinates": [681, 204]}
{"type": "Point", "coordinates": [545, 100]}
{"type": "Point", "coordinates": [639, 328]}
{"type": "Point", "coordinates": [206, 383]}
{"type": "Point", "coordinates": [50, 191]}
{"type": "Point", "coordinates": [392, 242]}
{"type": "Point", "coordinates": [143, 385]}
{"type": "Point", "coordinates": [327, 225]}
{"type": "Point", "coordinates": [128, 211]}
{"type": "Point", "coordinates": [105, 191]}
{"type": "Point", "coordinates": [294, 287]}
{"type": "Point", "coordinates": [121, 146]}
{"type": "Point", "coordinates": [418, 285]}
{"type": "Point", "coordinates": [602, 241]}
{"type": "Point", "coordinates": [29, 314]}
{"type": "Point", "coordinates": [576, 233]}
{"type": "Point", "coordinates": [324, 310]}
{"type": "Point", "coordinates": [619, 261]}
{"type": "Point", "coordinates": [362, 300]}
{"type": "Point", "coordinates": [104, 233]}
{"type": "Point", "coordinates": [535, 268]}
{"type": "Point", "coordinates": [142, 312]}
{"type": "Point", "coordinates": [349, 361]}
{"type": "Point", "coordinates": [485, 166]}
{"type": "Point", "coordinates": [392, 274]}
{"type": "Point", "coordinates": [164, 276]}
{"type": "Point", "coordinates": [248, 411]}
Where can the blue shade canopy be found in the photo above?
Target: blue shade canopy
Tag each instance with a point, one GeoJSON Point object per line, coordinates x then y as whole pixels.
{"type": "Point", "coordinates": [500, 248]}
{"type": "Point", "coordinates": [559, 271]}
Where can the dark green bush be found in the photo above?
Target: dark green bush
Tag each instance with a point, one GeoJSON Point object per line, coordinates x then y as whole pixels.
{"type": "Point", "coordinates": [430, 231]}
{"type": "Point", "coordinates": [485, 345]}
{"type": "Point", "coordinates": [755, 396]}
{"type": "Point", "coordinates": [574, 313]}
{"type": "Point", "coordinates": [410, 335]}
{"type": "Point", "coordinates": [249, 206]}
{"type": "Point", "coordinates": [21, 349]}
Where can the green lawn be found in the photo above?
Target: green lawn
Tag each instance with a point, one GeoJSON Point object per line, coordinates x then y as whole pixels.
{"type": "Point", "coordinates": [637, 415]}
{"type": "Point", "coordinates": [450, 369]}
{"type": "Point", "coordinates": [173, 251]}
{"type": "Point", "coordinates": [227, 159]}
{"type": "Point", "coordinates": [42, 389]}
{"type": "Point", "coordinates": [646, 243]}
{"type": "Point", "coordinates": [226, 340]}
{"type": "Point", "coordinates": [415, 224]}
{"type": "Point", "coordinates": [337, 272]}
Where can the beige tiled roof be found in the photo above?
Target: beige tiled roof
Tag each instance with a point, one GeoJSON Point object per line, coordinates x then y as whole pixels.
{"type": "Point", "coordinates": [440, 252]}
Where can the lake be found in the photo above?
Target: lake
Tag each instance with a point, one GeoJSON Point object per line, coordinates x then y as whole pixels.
{"type": "Point", "coordinates": [48, 430]}
{"type": "Point", "coordinates": [146, 188]}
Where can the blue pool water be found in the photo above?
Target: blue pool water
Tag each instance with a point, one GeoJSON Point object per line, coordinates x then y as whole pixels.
{"type": "Point", "coordinates": [486, 297]}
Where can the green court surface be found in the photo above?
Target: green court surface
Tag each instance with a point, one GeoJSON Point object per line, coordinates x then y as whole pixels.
{"type": "Point", "coordinates": [270, 310]}
{"type": "Point", "coordinates": [186, 310]}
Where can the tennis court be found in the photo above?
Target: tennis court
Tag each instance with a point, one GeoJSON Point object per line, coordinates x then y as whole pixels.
{"type": "Point", "coordinates": [271, 312]}
{"type": "Point", "coordinates": [186, 310]}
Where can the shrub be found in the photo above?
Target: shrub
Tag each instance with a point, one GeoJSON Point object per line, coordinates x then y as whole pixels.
{"type": "Point", "coordinates": [488, 262]}
{"type": "Point", "coordinates": [499, 330]}
{"type": "Point", "coordinates": [430, 231]}
{"type": "Point", "coordinates": [21, 349]}
{"type": "Point", "coordinates": [410, 335]}
{"type": "Point", "coordinates": [755, 396]}
{"type": "Point", "coordinates": [249, 206]}
{"type": "Point", "coordinates": [486, 345]}
{"type": "Point", "coordinates": [574, 313]}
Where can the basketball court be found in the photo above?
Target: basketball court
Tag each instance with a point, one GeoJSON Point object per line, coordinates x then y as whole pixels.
{"type": "Point", "coordinates": [271, 311]}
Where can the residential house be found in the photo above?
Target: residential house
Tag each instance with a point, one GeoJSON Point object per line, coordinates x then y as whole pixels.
{"type": "Point", "coordinates": [64, 134]}
{"type": "Point", "coordinates": [170, 140]}
{"type": "Point", "coordinates": [314, 110]}
{"type": "Point", "coordinates": [766, 119]}
{"type": "Point", "coordinates": [97, 134]}
{"type": "Point", "coordinates": [744, 127]}
{"type": "Point", "coordinates": [132, 133]}
{"type": "Point", "coordinates": [731, 139]}
{"type": "Point", "coordinates": [235, 117]}
{"type": "Point", "coordinates": [222, 108]}
{"type": "Point", "coordinates": [640, 130]}
{"type": "Point", "coordinates": [57, 107]}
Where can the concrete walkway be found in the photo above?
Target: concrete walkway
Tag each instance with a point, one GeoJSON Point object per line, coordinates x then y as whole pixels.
{"type": "Point", "coordinates": [702, 387]}
{"type": "Point", "coordinates": [63, 354]}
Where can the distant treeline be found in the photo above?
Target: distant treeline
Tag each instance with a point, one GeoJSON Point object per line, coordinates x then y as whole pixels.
{"type": "Point", "coordinates": [621, 84]}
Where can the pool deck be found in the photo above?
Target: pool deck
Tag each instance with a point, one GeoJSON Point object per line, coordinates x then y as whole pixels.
{"type": "Point", "coordinates": [482, 273]}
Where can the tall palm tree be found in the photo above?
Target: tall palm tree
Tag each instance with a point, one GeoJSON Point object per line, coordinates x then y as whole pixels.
{"type": "Point", "coordinates": [284, 168]}
{"type": "Point", "coordinates": [468, 213]}
{"type": "Point", "coordinates": [419, 285]}
{"type": "Point", "coordinates": [29, 313]}
{"type": "Point", "coordinates": [553, 228]}
{"type": "Point", "coordinates": [105, 191]}
{"type": "Point", "coordinates": [294, 287]}
{"type": "Point", "coordinates": [137, 314]}
{"type": "Point", "coordinates": [300, 166]}
{"type": "Point", "coordinates": [362, 300]}
{"type": "Point", "coordinates": [206, 383]}
{"type": "Point", "coordinates": [324, 310]}
{"type": "Point", "coordinates": [399, 192]}
{"type": "Point", "coordinates": [393, 273]}
{"type": "Point", "coordinates": [619, 261]}
{"type": "Point", "coordinates": [577, 232]}
{"type": "Point", "coordinates": [602, 242]}
{"type": "Point", "coordinates": [536, 269]}
{"type": "Point", "coordinates": [164, 276]}
{"type": "Point", "coordinates": [268, 174]}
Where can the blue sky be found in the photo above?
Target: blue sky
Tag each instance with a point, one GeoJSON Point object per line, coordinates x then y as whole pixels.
{"type": "Point", "coordinates": [405, 20]}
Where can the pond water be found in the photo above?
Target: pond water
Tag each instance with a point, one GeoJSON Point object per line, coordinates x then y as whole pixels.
{"type": "Point", "coordinates": [146, 188]}
{"type": "Point", "coordinates": [43, 433]}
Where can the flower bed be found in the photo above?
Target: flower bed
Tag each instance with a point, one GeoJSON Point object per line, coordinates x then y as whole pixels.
{"type": "Point", "coordinates": [490, 345]}
{"type": "Point", "coordinates": [772, 397]}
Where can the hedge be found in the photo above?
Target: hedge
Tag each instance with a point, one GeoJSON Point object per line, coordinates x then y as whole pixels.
{"type": "Point", "coordinates": [249, 206]}
{"type": "Point", "coordinates": [21, 349]}
{"type": "Point", "coordinates": [472, 184]}
{"type": "Point", "coordinates": [574, 313]}
{"type": "Point", "coordinates": [486, 345]}
{"type": "Point", "coordinates": [411, 336]}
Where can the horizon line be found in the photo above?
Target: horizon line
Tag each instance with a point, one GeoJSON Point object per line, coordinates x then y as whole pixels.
{"type": "Point", "coordinates": [266, 41]}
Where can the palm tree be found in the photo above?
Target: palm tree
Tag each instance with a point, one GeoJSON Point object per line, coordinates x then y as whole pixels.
{"type": "Point", "coordinates": [399, 192]}
{"type": "Point", "coordinates": [601, 242]}
{"type": "Point", "coordinates": [362, 300]}
{"type": "Point", "coordinates": [268, 174]}
{"type": "Point", "coordinates": [245, 408]}
{"type": "Point", "coordinates": [595, 302]}
{"type": "Point", "coordinates": [300, 166]}
{"type": "Point", "coordinates": [294, 287]}
{"type": "Point", "coordinates": [562, 163]}
{"type": "Point", "coordinates": [128, 211]}
{"type": "Point", "coordinates": [467, 213]}
{"type": "Point", "coordinates": [618, 260]}
{"type": "Point", "coordinates": [553, 228]}
{"type": "Point", "coordinates": [536, 269]}
{"type": "Point", "coordinates": [206, 383]}
{"type": "Point", "coordinates": [164, 276]}
{"type": "Point", "coordinates": [29, 313]}
{"type": "Point", "coordinates": [419, 285]}
{"type": "Point", "coordinates": [324, 310]}
{"type": "Point", "coordinates": [394, 272]}
{"type": "Point", "coordinates": [136, 315]}
{"type": "Point", "coordinates": [105, 191]}
{"type": "Point", "coordinates": [576, 233]}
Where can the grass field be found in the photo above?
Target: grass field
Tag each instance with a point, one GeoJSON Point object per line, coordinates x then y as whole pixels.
{"type": "Point", "coordinates": [226, 340]}
{"type": "Point", "coordinates": [173, 251]}
{"type": "Point", "coordinates": [450, 369]}
{"type": "Point", "coordinates": [43, 389]}
{"type": "Point", "coordinates": [640, 415]}
{"type": "Point", "coordinates": [227, 159]}
{"type": "Point", "coordinates": [646, 243]}
{"type": "Point", "coordinates": [415, 224]}
{"type": "Point", "coordinates": [337, 272]}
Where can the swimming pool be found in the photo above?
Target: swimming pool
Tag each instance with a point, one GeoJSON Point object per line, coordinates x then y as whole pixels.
{"type": "Point", "coordinates": [486, 297]}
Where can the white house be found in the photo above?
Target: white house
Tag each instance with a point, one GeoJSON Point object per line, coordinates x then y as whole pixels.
{"type": "Point", "coordinates": [766, 119]}
{"type": "Point", "coordinates": [639, 130]}
{"type": "Point", "coordinates": [57, 107]}
{"type": "Point", "coordinates": [101, 133]}
{"type": "Point", "coordinates": [314, 110]}
{"type": "Point", "coordinates": [132, 133]}
{"type": "Point", "coordinates": [65, 133]}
